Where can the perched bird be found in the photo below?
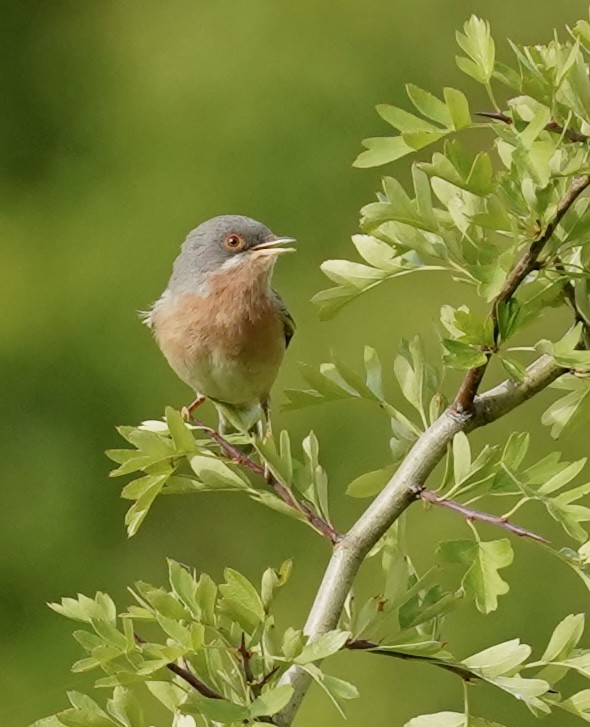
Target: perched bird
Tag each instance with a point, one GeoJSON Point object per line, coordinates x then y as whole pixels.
{"type": "Point", "coordinates": [219, 323]}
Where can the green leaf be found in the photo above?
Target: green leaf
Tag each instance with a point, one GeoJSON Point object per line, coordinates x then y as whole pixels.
{"type": "Point", "coordinates": [477, 42]}
{"type": "Point", "coordinates": [458, 108]}
{"type": "Point", "coordinates": [184, 585]}
{"type": "Point", "coordinates": [578, 704]}
{"type": "Point", "coordinates": [241, 600]}
{"type": "Point", "coordinates": [513, 368]}
{"type": "Point", "coordinates": [571, 410]}
{"type": "Point", "coordinates": [325, 645]}
{"type": "Point", "coordinates": [336, 689]}
{"type": "Point", "coordinates": [382, 150]}
{"type": "Point", "coordinates": [356, 275]}
{"type": "Point", "coordinates": [220, 710]}
{"type": "Point", "coordinates": [271, 701]}
{"type": "Point", "coordinates": [484, 559]}
{"type": "Point", "coordinates": [216, 474]}
{"type": "Point", "coordinates": [373, 370]}
{"type": "Point", "coordinates": [151, 486]}
{"type": "Point", "coordinates": [499, 660]}
{"type": "Point", "coordinates": [462, 356]}
{"type": "Point", "coordinates": [272, 580]}
{"type": "Point", "coordinates": [449, 719]}
{"type": "Point", "coordinates": [181, 434]}
{"type": "Point", "coordinates": [404, 121]}
{"type": "Point", "coordinates": [125, 707]}
{"type": "Point", "coordinates": [167, 693]}
{"type": "Point", "coordinates": [525, 690]}
{"type": "Point", "coordinates": [565, 638]}
{"type": "Point", "coordinates": [461, 457]}
{"type": "Point", "coordinates": [429, 106]}
{"type": "Point", "coordinates": [370, 483]}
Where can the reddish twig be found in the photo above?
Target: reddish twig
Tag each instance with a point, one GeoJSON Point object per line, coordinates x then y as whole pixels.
{"type": "Point", "coordinates": [477, 515]}
{"type": "Point", "coordinates": [187, 676]}
{"type": "Point", "coordinates": [235, 455]}
{"type": "Point", "coordinates": [552, 126]}
{"type": "Point", "coordinates": [528, 262]}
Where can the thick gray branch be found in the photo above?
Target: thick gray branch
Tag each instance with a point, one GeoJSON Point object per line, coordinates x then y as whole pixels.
{"type": "Point", "coordinates": [400, 491]}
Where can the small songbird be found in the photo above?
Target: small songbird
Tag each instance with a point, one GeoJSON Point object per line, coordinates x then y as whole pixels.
{"type": "Point", "coordinates": [219, 323]}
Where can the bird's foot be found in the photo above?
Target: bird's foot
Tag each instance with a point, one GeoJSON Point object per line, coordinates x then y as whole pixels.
{"type": "Point", "coordinates": [187, 411]}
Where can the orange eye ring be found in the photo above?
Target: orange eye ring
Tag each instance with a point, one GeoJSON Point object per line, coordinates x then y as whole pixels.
{"type": "Point", "coordinates": [234, 242]}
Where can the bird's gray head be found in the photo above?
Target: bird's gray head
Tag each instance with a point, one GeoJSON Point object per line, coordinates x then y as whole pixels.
{"type": "Point", "coordinates": [226, 242]}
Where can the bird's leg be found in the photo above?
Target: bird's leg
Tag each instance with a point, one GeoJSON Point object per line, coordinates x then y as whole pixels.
{"type": "Point", "coordinates": [223, 425]}
{"type": "Point", "coordinates": [265, 430]}
{"type": "Point", "coordinates": [265, 419]}
{"type": "Point", "coordinates": [186, 411]}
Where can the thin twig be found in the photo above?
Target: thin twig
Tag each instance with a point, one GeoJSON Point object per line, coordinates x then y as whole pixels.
{"type": "Point", "coordinates": [374, 648]}
{"type": "Point", "coordinates": [528, 262]}
{"type": "Point", "coordinates": [235, 455]}
{"type": "Point", "coordinates": [245, 656]}
{"type": "Point", "coordinates": [187, 676]}
{"type": "Point", "coordinates": [477, 515]}
{"type": "Point", "coordinates": [552, 126]}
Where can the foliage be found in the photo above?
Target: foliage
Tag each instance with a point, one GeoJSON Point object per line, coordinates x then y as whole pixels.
{"type": "Point", "coordinates": [510, 221]}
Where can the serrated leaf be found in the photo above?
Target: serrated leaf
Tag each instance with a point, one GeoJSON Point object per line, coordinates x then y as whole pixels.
{"type": "Point", "coordinates": [484, 559]}
{"type": "Point", "coordinates": [429, 106]}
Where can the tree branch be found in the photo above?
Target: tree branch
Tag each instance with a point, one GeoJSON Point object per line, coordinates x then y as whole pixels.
{"type": "Point", "coordinates": [396, 496]}
{"type": "Point", "coordinates": [374, 648]}
{"type": "Point", "coordinates": [552, 126]}
{"type": "Point", "coordinates": [235, 455]}
{"type": "Point", "coordinates": [187, 676]}
{"type": "Point", "coordinates": [477, 515]}
{"type": "Point", "coordinates": [527, 263]}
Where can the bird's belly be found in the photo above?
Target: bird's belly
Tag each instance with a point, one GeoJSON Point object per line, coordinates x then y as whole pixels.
{"type": "Point", "coordinates": [229, 379]}
{"type": "Point", "coordinates": [228, 358]}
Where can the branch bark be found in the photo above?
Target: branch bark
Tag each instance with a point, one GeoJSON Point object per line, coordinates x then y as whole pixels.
{"type": "Point", "coordinates": [398, 494]}
{"type": "Point", "coordinates": [527, 263]}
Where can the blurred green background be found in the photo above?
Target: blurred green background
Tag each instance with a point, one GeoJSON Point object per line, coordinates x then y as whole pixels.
{"type": "Point", "coordinates": [123, 125]}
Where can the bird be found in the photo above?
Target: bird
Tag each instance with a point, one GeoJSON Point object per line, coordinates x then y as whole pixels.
{"type": "Point", "coordinates": [219, 323]}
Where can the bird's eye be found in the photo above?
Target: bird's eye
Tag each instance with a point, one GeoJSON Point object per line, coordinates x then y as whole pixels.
{"type": "Point", "coordinates": [234, 242]}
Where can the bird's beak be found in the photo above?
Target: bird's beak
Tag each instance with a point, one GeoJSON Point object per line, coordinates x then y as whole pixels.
{"type": "Point", "coordinates": [272, 247]}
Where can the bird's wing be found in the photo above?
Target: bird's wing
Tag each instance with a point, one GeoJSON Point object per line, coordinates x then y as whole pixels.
{"type": "Point", "coordinates": [288, 322]}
